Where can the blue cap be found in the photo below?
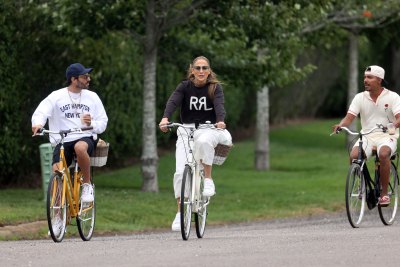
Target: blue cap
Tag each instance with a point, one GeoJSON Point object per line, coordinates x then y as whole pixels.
{"type": "Point", "coordinates": [76, 69]}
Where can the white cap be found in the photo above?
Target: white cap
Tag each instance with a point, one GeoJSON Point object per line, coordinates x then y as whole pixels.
{"type": "Point", "coordinates": [375, 71]}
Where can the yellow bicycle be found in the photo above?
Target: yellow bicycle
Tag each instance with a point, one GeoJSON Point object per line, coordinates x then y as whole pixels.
{"type": "Point", "coordinates": [63, 195]}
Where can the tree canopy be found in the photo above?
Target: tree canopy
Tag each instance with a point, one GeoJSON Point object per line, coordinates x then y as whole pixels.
{"type": "Point", "coordinates": [250, 44]}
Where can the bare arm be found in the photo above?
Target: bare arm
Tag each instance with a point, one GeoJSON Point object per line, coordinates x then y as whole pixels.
{"type": "Point", "coordinates": [347, 120]}
{"type": "Point", "coordinates": [397, 122]}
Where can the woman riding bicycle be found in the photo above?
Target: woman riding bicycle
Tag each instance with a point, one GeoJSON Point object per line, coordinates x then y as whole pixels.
{"type": "Point", "coordinates": [200, 99]}
{"type": "Point", "coordinates": [377, 105]}
{"type": "Point", "coordinates": [73, 107]}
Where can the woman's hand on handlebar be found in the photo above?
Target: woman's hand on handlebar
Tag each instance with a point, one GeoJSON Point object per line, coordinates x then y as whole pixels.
{"type": "Point", "coordinates": [162, 125]}
{"type": "Point", "coordinates": [220, 125]}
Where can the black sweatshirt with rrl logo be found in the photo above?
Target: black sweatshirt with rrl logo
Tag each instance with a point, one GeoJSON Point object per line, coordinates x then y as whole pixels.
{"type": "Point", "coordinates": [195, 104]}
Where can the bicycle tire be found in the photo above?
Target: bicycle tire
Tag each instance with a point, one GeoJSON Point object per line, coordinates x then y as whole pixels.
{"type": "Point", "coordinates": [86, 220]}
{"type": "Point", "coordinates": [56, 211]}
{"type": "Point", "coordinates": [355, 195]}
{"type": "Point", "coordinates": [186, 202]}
{"type": "Point", "coordinates": [200, 217]}
{"type": "Point", "coordinates": [388, 213]}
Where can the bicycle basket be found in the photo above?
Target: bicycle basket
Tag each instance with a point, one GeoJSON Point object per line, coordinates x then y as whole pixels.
{"type": "Point", "coordinates": [100, 154]}
{"type": "Point", "coordinates": [221, 153]}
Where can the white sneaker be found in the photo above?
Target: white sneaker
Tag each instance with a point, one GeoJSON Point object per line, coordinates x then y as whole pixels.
{"type": "Point", "coordinates": [176, 224]}
{"type": "Point", "coordinates": [209, 187]}
{"type": "Point", "coordinates": [57, 226]}
{"type": "Point", "coordinates": [87, 193]}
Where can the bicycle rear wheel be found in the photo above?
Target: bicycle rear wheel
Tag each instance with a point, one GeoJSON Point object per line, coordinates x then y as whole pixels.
{"type": "Point", "coordinates": [355, 195]}
{"type": "Point", "coordinates": [56, 211]}
{"type": "Point", "coordinates": [186, 202]}
{"type": "Point", "coordinates": [388, 213]}
{"type": "Point", "coordinates": [86, 219]}
{"type": "Point", "coordinates": [200, 216]}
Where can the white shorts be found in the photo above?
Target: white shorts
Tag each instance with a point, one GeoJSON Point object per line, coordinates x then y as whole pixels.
{"type": "Point", "coordinates": [378, 140]}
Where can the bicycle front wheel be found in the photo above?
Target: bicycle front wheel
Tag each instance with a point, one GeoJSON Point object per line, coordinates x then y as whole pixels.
{"type": "Point", "coordinates": [56, 210]}
{"type": "Point", "coordinates": [186, 202]}
{"type": "Point", "coordinates": [388, 213]}
{"type": "Point", "coordinates": [200, 216]}
{"type": "Point", "coordinates": [86, 219]}
{"type": "Point", "coordinates": [355, 195]}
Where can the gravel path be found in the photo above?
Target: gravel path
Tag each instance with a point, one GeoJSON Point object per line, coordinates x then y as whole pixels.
{"type": "Point", "coordinates": [323, 240]}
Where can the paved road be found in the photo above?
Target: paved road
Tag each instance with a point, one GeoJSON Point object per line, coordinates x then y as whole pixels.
{"type": "Point", "coordinates": [326, 240]}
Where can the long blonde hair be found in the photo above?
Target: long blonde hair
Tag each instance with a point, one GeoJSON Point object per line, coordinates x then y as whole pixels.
{"type": "Point", "coordinates": [211, 79]}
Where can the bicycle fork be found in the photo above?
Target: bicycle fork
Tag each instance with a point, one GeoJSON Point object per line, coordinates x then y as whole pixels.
{"type": "Point", "coordinates": [200, 202]}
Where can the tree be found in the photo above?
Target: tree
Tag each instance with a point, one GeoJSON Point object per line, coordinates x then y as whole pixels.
{"type": "Point", "coordinates": [272, 31]}
{"type": "Point", "coordinates": [355, 18]}
{"type": "Point", "coordinates": [161, 17]}
{"type": "Point", "coordinates": [312, 18]}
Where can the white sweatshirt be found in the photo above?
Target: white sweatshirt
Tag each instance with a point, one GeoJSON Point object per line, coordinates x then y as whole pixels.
{"type": "Point", "coordinates": [63, 110]}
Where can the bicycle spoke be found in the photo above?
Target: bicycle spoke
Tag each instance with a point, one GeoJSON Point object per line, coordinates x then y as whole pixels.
{"type": "Point", "coordinates": [56, 210]}
{"type": "Point", "coordinates": [186, 204]}
{"type": "Point", "coordinates": [355, 195]}
{"type": "Point", "coordinates": [388, 213]}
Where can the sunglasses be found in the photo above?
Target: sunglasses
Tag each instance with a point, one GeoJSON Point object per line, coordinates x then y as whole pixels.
{"type": "Point", "coordinates": [85, 76]}
{"type": "Point", "coordinates": [201, 67]}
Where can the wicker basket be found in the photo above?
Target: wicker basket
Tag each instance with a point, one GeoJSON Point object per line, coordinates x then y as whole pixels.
{"type": "Point", "coordinates": [221, 153]}
{"type": "Point", "coordinates": [100, 154]}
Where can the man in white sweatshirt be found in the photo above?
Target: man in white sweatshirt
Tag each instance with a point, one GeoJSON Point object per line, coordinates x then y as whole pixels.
{"type": "Point", "coordinates": [73, 107]}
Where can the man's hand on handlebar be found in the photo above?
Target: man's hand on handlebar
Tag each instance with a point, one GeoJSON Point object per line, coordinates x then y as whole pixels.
{"type": "Point", "coordinates": [36, 129]}
{"type": "Point", "coordinates": [336, 129]}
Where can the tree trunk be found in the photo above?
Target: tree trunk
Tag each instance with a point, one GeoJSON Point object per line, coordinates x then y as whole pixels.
{"type": "Point", "coordinates": [149, 157]}
{"type": "Point", "coordinates": [353, 79]}
{"type": "Point", "coordinates": [262, 131]}
{"type": "Point", "coordinates": [395, 63]}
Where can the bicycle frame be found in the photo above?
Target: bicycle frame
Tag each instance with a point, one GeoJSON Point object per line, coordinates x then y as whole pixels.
{"type": "Point", "coordinates": [372, 185]}
{"type": "Point", "coordinates": [71, 187]}
{"type": "Point", "coordinates": [63, 197]}
{"type": "Point", "coordinates": [192, 200]}
{"type": "Point", "coordinates": [361, 188]}
{"type": "Point", "coordinates": [195, 167]}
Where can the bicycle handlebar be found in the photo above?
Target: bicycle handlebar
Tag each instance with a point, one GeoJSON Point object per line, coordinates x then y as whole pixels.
{"type": "Point", "coordinates": [378, 126]}
{"type": "Point", "coordinates": [43, 131]}
{"type": "Point", "coordinates": [201, 126]}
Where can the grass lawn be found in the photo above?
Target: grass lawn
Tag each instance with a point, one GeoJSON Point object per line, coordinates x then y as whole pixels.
{"type": "Point", "coordinates": [307, 176]}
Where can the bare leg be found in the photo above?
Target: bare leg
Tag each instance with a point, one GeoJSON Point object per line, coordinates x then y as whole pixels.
{"type": "Point", "coordinates": [353, 154]}
{"type": "Point", "coordinates": [178, 201]}
{"type": "Point", "coordinates": [207, 170]}
{"type": "Point", "coordinates": [55, 167]}
{"type": "Point", "coordinates": [83, 160]}
{"type": "Point", "coordinates": [384, 159]}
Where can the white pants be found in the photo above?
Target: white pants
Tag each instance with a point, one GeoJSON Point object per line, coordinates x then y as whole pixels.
{"type": "Point", "coordinates": [205, 140]}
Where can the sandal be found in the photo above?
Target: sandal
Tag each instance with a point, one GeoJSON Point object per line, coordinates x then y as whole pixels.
{"type": "Point", "coordinates": [384, 201]}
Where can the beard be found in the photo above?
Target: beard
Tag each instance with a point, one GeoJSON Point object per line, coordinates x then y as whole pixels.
{"type": "Point", "coordinates": [81, 85]}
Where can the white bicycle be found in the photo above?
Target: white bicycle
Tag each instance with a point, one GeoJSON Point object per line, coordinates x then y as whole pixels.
{"type": "Point", "coordinates": [192, 199]}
